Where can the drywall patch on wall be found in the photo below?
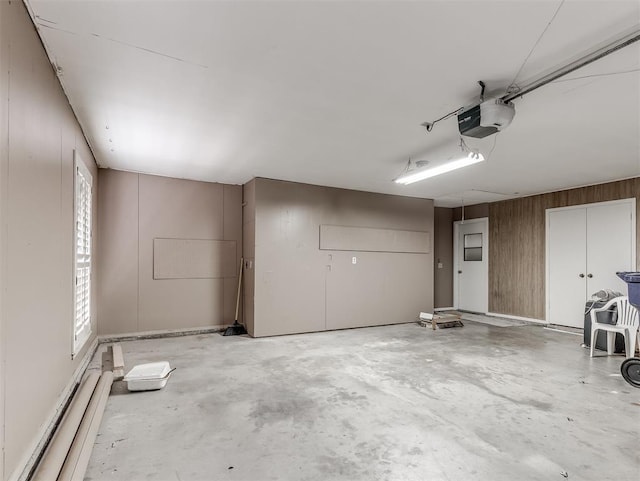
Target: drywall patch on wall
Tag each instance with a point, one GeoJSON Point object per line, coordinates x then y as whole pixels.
{"type": "Point", "coordinates": [369, 239]}
{"type": "Point", "coordinates": [193, 258]}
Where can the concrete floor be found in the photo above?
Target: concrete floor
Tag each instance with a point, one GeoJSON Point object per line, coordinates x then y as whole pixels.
{"type": "Point", "coordinates": [387, 403]}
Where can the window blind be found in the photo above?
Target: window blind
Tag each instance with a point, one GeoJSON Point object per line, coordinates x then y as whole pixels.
{"type": "Point", "coordinates": [82, 297]}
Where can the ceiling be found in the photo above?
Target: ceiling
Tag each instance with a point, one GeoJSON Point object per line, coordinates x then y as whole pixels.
{"type": "Point", "coordinates": [333, 92]}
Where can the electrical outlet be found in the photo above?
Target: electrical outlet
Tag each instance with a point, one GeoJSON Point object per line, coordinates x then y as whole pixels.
{"type": "Point", "coordinates": [439, 265]}
{"type": "Point", "coordinates": [354, 260]}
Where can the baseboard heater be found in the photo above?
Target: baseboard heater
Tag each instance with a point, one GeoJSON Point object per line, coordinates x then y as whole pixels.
{"type": "Point", "coordinates": [67, 456]}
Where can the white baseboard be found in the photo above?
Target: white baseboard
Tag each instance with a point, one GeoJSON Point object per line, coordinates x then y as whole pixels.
{"type": "Point", "coordinates": [41, 440]}
{"type": "Point", "coordinates": [436, 309]}
{"type": "Point", "coordinates": [559, 329]}
{"type": "Point", "coordinates": [518, 318]}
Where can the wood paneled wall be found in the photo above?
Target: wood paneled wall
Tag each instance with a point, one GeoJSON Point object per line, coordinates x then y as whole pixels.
{"type": "Point", "coordinates": [517, 244]}
{"type": "Point", "coordinates": [476, 211]}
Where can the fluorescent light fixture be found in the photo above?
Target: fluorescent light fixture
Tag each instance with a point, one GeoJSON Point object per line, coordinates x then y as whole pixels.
{"type": "Point", "coordinates": [413, 176]}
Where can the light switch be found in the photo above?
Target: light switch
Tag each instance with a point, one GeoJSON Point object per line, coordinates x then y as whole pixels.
{"type": "Point", "coordinates": [354, 260]}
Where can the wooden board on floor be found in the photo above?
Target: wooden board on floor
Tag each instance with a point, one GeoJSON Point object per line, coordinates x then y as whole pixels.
{"type": "Point", "coordinates": [443, 321]}
{"type": "Point", "coordinates": [118, 362]}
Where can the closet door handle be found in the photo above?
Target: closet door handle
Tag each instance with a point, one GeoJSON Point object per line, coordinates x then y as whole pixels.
{"type": "Point", "coordinates": [581, 275]}
{"type": "Point", "coordinates": [589, 276]}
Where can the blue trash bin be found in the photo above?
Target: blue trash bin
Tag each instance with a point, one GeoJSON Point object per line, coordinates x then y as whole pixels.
{"type": "Point", "coordinates": [633, 285]}
{"type": "Point", "coordinates": [630, 367]}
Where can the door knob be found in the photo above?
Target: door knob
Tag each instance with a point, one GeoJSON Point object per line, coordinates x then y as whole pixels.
{"type": "Point", "coordinates": [459, 272]}
{"type": "Point", "coordinates": [581, 275]}
{"type": "Point", "coordinates": [589, 276]}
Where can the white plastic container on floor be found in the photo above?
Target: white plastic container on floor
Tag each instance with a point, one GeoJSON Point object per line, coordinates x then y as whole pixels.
{"type": "Point", "coordinates": [148, 377]}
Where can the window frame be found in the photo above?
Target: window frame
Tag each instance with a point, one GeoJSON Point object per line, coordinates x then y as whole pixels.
{"type": "Point", "coordinates": [471, 251]}
{"type": "Point", "coordinates": [81, 331]}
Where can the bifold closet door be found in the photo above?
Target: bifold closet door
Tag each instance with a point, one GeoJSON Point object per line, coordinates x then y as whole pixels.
{"type": "Point", "coordinates": [586, 246]}
{"type": "Point", "coordinates": [567, 256]}
{"type": "Point", "coordinates": [609, 246]}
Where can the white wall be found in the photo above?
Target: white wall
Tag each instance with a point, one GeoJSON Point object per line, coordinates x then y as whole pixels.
{"type": "Point", "coordinates": [39, 135]}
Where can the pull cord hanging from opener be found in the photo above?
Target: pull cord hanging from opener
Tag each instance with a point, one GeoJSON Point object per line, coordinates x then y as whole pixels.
{"type": "Point", "coordinates": [429, 125]}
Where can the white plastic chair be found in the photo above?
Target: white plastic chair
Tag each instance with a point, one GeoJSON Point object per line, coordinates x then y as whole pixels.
{"type": "Point", "coordinates": [627, 325]}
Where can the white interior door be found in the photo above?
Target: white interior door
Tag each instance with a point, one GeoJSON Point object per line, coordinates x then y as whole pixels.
{"type": "Point", "coordinates": [610, 246]}
{"type": "Point", "coordinates": [471, 275]}
{"type": "Point", "coordinates": [566, 261]}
